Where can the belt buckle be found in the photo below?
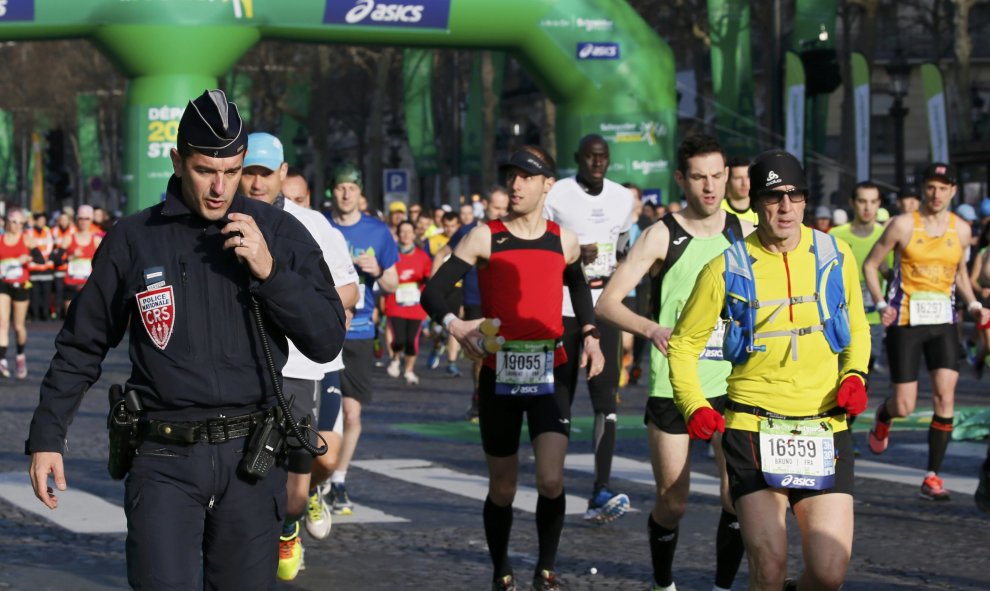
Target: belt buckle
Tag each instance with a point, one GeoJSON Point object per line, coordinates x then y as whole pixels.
{"type": "Point", "coordinates": [216, 430]}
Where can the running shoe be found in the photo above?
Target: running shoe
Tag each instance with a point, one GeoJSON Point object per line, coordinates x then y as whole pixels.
{"type": "Point", "coordinates": [546, 580]}
{"type": "Point", "coordinates": [393, 368]}
{"type": "Point", "coordinates": [318, 516]}
{"type": "Point", "coordinates": [670, 587]}
{"type": "Point", "coordinates": [606, 506]}
{"type": "Point", "coordinates": [290, 556]}
{"type": "Point", "coordinates": [879, 434]}
{"type": "Point", "coordinates": [20, 367]}
{"type": "Point", "coordinates": [472, 411]}
{"type": "Point", "coordinates": [411, 378]}
{"type": "Point", "coordinates": [932, 489]}
{"type": "Point", "coordinates": [433, 361]}
{"type": "Point", "coordinates": [4, 368]}
{"type": "Point", "coordinates": [982, 494]}
{"type": "Point", "coordinates": [506, 583]}
{"type": "Point", "coordinates": [453, 371]}
{"type": "Point", "coordinates": [339, 501]}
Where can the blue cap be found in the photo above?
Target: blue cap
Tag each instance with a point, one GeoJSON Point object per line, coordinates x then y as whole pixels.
{"type": "Point", "coordinates": [966, 212]}
{"type": "Point", "coordinates": [264, 150]}
{"type": "Point", "coordinates": [985, 207]}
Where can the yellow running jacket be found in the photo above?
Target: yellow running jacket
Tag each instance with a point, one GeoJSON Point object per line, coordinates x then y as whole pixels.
{"type": "Point", "coordinates": [797, 375]}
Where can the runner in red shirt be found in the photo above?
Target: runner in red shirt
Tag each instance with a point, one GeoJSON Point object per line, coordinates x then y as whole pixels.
{"type": "Point", "coordinates": [403, 313]}
{"type": "Point", "coordinates": [78, 251]}
{"type": "Point", "coordinates": [523, 263]}
{"type": "Point", "coordinates": [15, 254]}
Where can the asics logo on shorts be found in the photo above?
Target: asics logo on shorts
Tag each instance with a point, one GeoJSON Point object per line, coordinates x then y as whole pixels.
{"type": "Point", "coordinates": [790, 479]}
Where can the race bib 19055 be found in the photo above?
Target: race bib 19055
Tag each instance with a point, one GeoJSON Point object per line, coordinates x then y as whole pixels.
{"type": "Point", "coordinates": [524, 368]}
{"type": "Point", "coordinates": [797, 454]}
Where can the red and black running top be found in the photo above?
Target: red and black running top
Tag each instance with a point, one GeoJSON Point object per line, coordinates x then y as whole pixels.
{"type": "Point", "coordinates": [523, 286]}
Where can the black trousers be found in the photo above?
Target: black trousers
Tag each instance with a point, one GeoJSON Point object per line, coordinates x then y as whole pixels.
{"type": "Point", "coordinates": [190, 512]}
{"type": "Point", "coordinates": [605, 385]}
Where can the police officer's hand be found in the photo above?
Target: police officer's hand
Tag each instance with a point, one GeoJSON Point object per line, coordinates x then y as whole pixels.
{"type": "Point", "coordinates": [44, 463]}
{"type": "Point", "coordinates": [660, 336]}
{"type": "Point", "coordinates": [589, 252]}
{"type": "Point", "coordinates": [250, 247]}
{"type": "Point", "coordinates": [591, 356]}
{"type": "Point", "coordinates": [468, 334]}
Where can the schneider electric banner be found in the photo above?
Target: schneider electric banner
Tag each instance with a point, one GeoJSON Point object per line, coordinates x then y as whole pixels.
{"type": "Point", "coordinates": [931, 81]}
{"type": "Point", "coordinates": [423, 14]}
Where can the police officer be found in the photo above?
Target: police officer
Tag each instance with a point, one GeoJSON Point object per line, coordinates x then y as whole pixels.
{"type": "Point", "coordinates": [183, 275]}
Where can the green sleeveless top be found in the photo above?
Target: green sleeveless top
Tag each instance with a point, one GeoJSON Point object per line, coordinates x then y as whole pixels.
{"type": "Point", "coordinates": [686, 257]}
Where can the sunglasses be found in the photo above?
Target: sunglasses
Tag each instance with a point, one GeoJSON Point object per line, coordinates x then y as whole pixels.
{"type": "Point", "coordinates": [775, 197]}
{"type": "Point", "coordinates": [83, 219]}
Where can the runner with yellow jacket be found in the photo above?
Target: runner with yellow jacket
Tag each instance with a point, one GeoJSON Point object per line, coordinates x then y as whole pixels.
{"type": "Point", "coordinates": [799, 342]}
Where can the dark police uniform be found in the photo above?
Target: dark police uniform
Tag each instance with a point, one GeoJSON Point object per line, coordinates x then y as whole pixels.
{"type": "Point", "coordinates": [196, 355]}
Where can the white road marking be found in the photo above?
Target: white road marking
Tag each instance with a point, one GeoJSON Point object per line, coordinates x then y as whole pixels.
{"type": "Point", "coordinates": [639, 472]}
{"type": "Point", "coordinates": [426, 473]}
{"type": "Point", "coordinates": [78, 511]}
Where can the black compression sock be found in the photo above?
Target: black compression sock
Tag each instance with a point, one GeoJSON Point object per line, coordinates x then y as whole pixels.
{"type": "Point", "coordinates": [663, 542]}
{"type": "Point", "coordinates": [728, 550]}
{"type": "Point", "coordinates": [604, 449]}
{"type": "Point", "coordinates": [498, 525]}
{"type": "Point", "coordinates": [884, 414]}
{"type": "Point", "coordinates": [549, 525]}
{"type": "Point", "coordinates": [20, 348]}
{"type": "Point", "coordinates": [3, 352]}
{"type": "Point", "coordinates": [939, 434]}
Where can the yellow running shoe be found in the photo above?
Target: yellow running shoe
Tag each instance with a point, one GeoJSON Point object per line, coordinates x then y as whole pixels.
{"type": "Point", "coordinates": [290, 556]}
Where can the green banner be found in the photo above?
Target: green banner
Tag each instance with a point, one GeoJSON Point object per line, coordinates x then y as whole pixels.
{"type": "Point", "coordinates": [931, 81]}
{"type": "Point", "coordinates": [861, 114]}
{"type": "Point", "coordinates": [474, 126]}
{"type": "Point", "coordinates": [295, 121]}
{"type": "Point", "coordinates": [88, 136]}
{"type": "Point", "coordinates": [417, 78]}
{"type": "Point", "coordinates": [732, 75]}
{"type": "Point", "coordinates": [237, 85]}
{"type": "Point", "coordinates": [8, 168]}
{"type": "Point", "coordinates": [794, 99]}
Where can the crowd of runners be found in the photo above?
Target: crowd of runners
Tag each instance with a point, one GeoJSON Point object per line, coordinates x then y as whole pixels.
{"type": "Point", "coordinates": [763, 321]}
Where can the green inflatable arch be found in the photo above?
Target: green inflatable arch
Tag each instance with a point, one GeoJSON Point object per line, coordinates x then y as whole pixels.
{"type": "Point", "coordinates": [603, 67]}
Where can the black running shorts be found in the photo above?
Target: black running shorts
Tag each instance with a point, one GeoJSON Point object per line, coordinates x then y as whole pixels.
{"type": "Point", "coordinates": [355, 379]}
{"type": "Point", "coordinates": [938, 343]}
{"type": "Point", "coordinates": [663, 413]}
{"type": "Point", "coordinates": [17, 292]}
{"type": "Point", "coordinates": [501, 416]}
{"type": "Point", "coordinates": [742, 461]}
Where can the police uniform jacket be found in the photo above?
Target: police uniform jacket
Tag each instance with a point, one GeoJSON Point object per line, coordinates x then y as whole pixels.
{"type": "Point", "coordinates": [194, 346]}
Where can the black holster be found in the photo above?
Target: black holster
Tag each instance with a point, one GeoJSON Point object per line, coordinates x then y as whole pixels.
{"type": "Point", "coordinates": [122, 422]}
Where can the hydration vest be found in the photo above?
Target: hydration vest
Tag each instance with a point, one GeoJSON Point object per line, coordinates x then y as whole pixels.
{"type": "Point", "coordinates": [741, 302]}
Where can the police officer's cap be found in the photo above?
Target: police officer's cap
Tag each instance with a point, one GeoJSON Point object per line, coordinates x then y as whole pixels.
{"type": "Point", "coordinates": [347, 172]}
{"type": "Point", "coordinates": [211, 125]}
{"type": "Point", "coordinates": [773, 169]}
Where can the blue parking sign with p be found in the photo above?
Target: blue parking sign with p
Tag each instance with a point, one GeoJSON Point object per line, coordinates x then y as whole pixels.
{"type": "Point", "coordinates": [397, 180]}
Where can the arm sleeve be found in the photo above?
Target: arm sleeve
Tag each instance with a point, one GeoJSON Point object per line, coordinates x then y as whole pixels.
{"type": "Point", "coordinates": [96, 321]}
{"type": "Point", "coordinates": [577, 286]}
{"type": "Point", "coordinates": [691, 332]}
{"type": "Point", "coordinates": [299, 296]}
{"type": "Point", "coordinates": [434, 297]}
{"type": "Point", "coordinates": [855, 357]}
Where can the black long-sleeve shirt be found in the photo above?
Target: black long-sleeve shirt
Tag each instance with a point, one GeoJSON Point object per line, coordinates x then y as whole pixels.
{"type": "Point", "coordinates": [194, 346]}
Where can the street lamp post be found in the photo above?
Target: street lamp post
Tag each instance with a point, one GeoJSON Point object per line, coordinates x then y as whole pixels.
{"type": "Point", "coordinates": [899, 72]}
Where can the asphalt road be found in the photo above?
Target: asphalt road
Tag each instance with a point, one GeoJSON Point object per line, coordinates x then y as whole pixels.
{"type": "Point", "coordinates": [417, 477]}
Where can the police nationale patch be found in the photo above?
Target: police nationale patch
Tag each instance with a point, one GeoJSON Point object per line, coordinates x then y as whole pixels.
{"type": "Point", "coordinates": [157, 309]}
